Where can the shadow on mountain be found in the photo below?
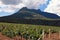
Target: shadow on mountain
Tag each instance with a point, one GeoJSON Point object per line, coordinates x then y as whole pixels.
{"type": "Point", "coordinates": [32, 21]}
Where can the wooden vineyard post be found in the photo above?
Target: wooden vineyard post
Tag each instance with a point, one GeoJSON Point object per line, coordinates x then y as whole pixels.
{"type": "Point", "coordinates": [39, 39]}
{"type": "Point", "coordinates": [59, 34]}
{"type": "Point", "coordinates": [29, 38]}
{"type": "Point", "coordinates": [49, 33]}
{"type": "Point", "coordinates": [32, 38]}
{"type": "Point", "coordinates": [21, 37]}
{"type": "Point", "coordinates": [43, 34]}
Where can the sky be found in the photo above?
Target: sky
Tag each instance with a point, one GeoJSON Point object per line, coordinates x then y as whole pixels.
{"type": "Point", "coordinates": [8, 7]}
{"type": "Point", "coordinates": [53, 7]}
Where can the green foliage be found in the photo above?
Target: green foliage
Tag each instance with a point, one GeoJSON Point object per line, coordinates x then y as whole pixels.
{"type": "Point", "coordinates": [25, 30]}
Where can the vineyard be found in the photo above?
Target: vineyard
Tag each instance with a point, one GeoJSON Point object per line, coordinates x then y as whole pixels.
{"type": "Point", "coordinates": [27, 31]}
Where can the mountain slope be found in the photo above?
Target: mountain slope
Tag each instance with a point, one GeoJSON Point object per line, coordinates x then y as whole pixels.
{"type": "Point", "coordinates": [25, 13]}
{"type": "Point", "coordinates": [33, 14]}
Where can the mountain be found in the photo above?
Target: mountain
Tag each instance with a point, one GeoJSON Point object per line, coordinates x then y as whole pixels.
{"type": "Point", "coordinates": [32, 13]}
{"type": "Point", "coordinates": [32, 16]}
{"type": "Point", "coordinates": [25, 13]}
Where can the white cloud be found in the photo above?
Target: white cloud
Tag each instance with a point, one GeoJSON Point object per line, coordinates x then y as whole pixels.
{"type": "Point", "coordinates": [12, 5]}
{"type": "Point", "coordinates": [54, 7]}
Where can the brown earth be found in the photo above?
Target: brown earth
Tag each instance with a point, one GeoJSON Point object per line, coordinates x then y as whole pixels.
{"type": "Point", "coordinates": [53, 36]}
{"type": "Point", "coordinates": [3, 37]}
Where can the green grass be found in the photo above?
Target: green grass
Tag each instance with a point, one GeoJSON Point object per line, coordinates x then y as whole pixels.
{"type": "Point", "coordinates": [12, 29]}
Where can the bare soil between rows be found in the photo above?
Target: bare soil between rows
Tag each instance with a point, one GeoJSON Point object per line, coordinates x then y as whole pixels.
{"type": "Point", "coordinates": [53, 36]}
{"type": "Point", "coordinates": [4, 37]}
